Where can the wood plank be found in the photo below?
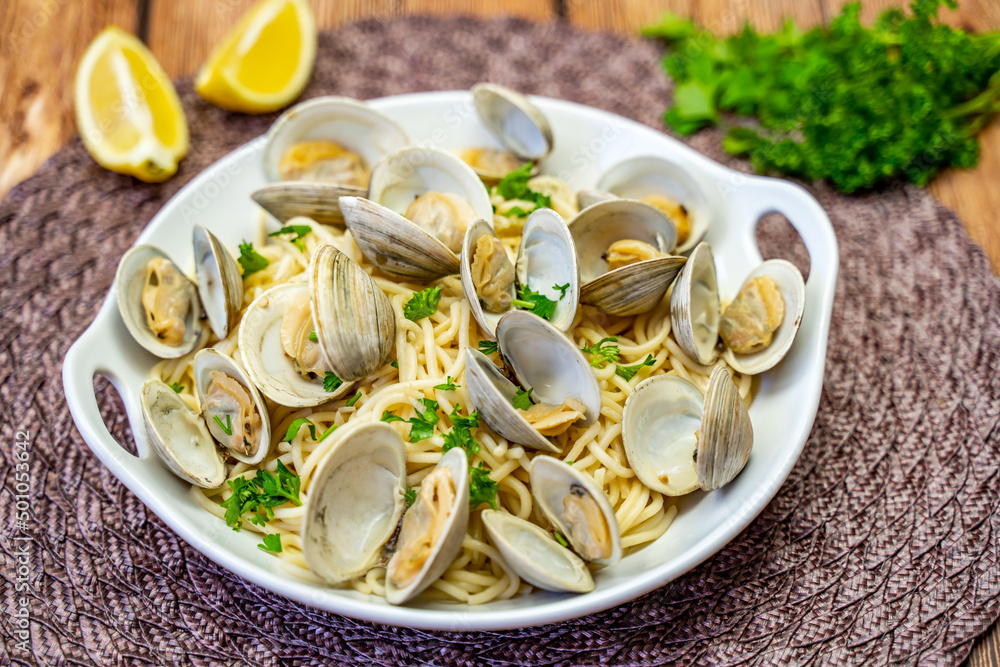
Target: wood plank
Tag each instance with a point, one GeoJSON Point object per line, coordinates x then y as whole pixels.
{"type": "Point", "coordinates": [538, 10]}
{"type": "Point", "coordinates": [42, 43]}
{"type": "Point", "coordinates": [970, 193]}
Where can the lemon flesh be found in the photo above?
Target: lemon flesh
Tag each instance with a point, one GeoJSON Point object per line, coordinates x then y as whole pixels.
{"type": "Point", "coordinates": [265, 62]}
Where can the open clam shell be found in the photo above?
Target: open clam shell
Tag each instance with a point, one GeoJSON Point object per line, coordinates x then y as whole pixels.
{"type": "Point", "coordinates": [179, 437]}
{"type": "Point", "coordinates": [349, 123]}
{"type": "Point", "coordinates": [220, 283]}
{"type": "Point", "coordinates": [793, 290]}
{"type": "Point", "coordinates": [443, 551]}
{"type": "Point", "coordinates": [578, 508]}
{"type": "Point", "coordinates": [130, 281]}
{"type": "Point", "coordinates": [355, 322]}
{"type": "Point", "coordinates": [677, 440]}
{"type": "Point", "coordinates": [635, 288]}
{"type": "Point", "coordinates": [535, 556]}
{"type": "Point", "coordinates": [355, 501]}
{"type": "Point", "coordinates": [519, 125]}
{"type": "Point", "coordinates": [640, 177]}
{"type": "Point", "coordinates": [210, 360]}
{"type": "Point", "coordinates": [311, 199]}
{"type": "Point", "coordinates": [694, 306]}
{"type": "Point", "coordinates": [264, 358]}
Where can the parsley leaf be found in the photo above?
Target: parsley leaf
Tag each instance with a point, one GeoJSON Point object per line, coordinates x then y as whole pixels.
{"type": "Point", "coordinates": [258, 496]}
{"type": "Point", "coordinates": [395, 364]}
{"type": "Point", "coordinates": [422, 426]}
{"type": "Point", "coordinates": [560, 539]}
{"type": "Point", "coordinates": [250, 260]}
{"type": "Point", "coordinates": [603, 351]}
{"type": "Point", "coordinates": [298, 230]}
{"type": "Point", "coordinates": [227, 428]}
{"type": "Point", "coordinates": [293, 429]}
{"type": "Point", "coordinates": [515, 186]}
{"type": "Point", "coordinates": [422, 304]}
{"type": "Point", "coordinates": [537, 303]}
{"type": "Point", "coordinates": [448, 385]}
{"type": "Point", "coordinates": [331, 382]}
{"type": "Point", "coordinates": [313, 337]}
{"type": "Point", "coordinates": [522, 399]}
{"type": "Point", "coordinates": [482, 489]}
{"type": "Point", "coordinates": [177, 387]}
{"type": "Point", "coordinates": [515, 212]}
{"type": "Point", "coordinates": [461, 433]}
{"type": "Point", "coordinates": [271, 542]}
{"type": "Point", "coordinates": [327, 432]}
{"type": "Point", "coordinates": [410, 496]}
{"type": "Point", "coordinates": [388, 417]}
{"type": "Point", "coordinates": [562, 290]}
{"type": "Point", "coordinates": [353, 399]}
{"type": "Point", "coordinates": [488, 346]}
{"type": "Point", "coordinates": [628, 372]}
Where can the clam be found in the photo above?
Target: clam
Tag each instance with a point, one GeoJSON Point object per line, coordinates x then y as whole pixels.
{"type": "Point", "coordinates": [220, 283]}
{"type": "Point", "coordinates": [323, 149]}
{"type": "Point", "coordinates": [232, 407]}
{"type": "Point", "coordinates": [537, 558]}
{"type": "Point", "coordinates": [677, 440]}
{"type": "Point", "coordinates": [179, 436]}
{"type": "Point", "coordinates": [158, 303]}
{"type": "Point", "coordinates": [759, 326]}
{"type": "Point", "coordinates": [517, 123]}
{"type": "Point", "coordinates": [432, 531]}
{"type": "Point", "coordinates": [578, 508]}
{"type": "Point", "coordinates": [665, 184]}
{"type": "Point", "coordinates": [355, 501]}
{"type": "Point", "coordinates": [562, 383]}
{"type": "Point", "coordinates": [419, 205]}
{"type": "Point", "coordinates": [623, 246]}
{"type": "Point", "coordinates": [546, 259]}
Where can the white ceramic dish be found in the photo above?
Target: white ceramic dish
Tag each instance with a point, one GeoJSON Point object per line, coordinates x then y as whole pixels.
{"type": "Point", "coordinates": [587, 142]}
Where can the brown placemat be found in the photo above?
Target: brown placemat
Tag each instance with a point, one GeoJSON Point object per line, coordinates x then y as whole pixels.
{"type": "Point", "coordinates": [880, 548]}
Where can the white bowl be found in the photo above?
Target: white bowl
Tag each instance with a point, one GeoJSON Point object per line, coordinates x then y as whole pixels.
{"type": "Point", "coordinates": [587, 142]}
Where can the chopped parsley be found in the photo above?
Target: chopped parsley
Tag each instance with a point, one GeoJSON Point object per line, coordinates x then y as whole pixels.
{"type": "Point", "coordinates": [250, 260]}
{"type": "Point", "coordinates": [515, 186]}
{"type": "Point", "coordinates": [603, 351]}
{"type": "Point", "coordinates": [522, 399]}
{"type": "Point", "coordinates": [422, 304]}
{"type": "Point", "coordinates": [460, 434]}
{"type": "Point", "coordinates": [482, 489]}
{"type": "Point", "coordinates": [395, 364]}
{"type": "Point", "coordinates": [177, 387]}
{"type": "Point", "coordinates": [537, 303]}
{"type": "Point", "coordinates": [488, 346]}
{"type": "Point", "coordinates": [628, 372]}
{"type": "Point", "coordinates": [331, 382]}
{"type": "Point", "coordinates": [325, 433]}
{"type": "Point", "coordinates": [298, 230]}
{"type": "Point", "coordinates": [421, 426]}
{"type": "Point", "coordinates": [227, 428]}
{"type": "Point", "coordinates": [560, 539]}
{"type": "Point", "coordinates": [313, 337]}
{"type": "Point", "coordinates": [293, 429]}
{"type": "Point", "coordinates": [562, 290]}
{"type": "Point", "coordinates": [353, 399]}
{"type": "Point", "coordinates": [448, 385]}
{"type": "Point", "coordinates": [271, 542]}
{"type": "Point", "coordinates": [410, 496]}
{"type": "Point", "coordinates": [258, 496]}
{"type": "Point", "coordinates": [388, 417]}
{"type": "Point", "coordinates": [514, 212]}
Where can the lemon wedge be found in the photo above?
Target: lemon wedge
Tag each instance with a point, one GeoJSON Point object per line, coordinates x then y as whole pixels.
{"type": "Point", "coordinates": [127, 111]}
{"type": "Point", "coordinates": [265, 62]}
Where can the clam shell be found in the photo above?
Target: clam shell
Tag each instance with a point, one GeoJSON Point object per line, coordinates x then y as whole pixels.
{"type": "Point", "coordinates": [726, 434]}
{"type": "Point", "coordinates": [544, 359]}
{"type": "Point", "coordinates": [220, 283]}
{"type": "Point", "coordinates": [535, 556]}
{"type": "Point", "coordinates": [129, 280]}
{"type": "Point", "coordinates": [492, 395]}
{"type": "Point", "coordinates": [632, 289]}
{"type": "Point", "coordinates": [640, 176]}
{"type": "Point", "coordinates": [450, 542]}
{"type": "Point", "coordinates": [264, 358]}
{"type": "Point", "coordinates": [514, 120]}
{"type": "Point", "coordinates": [179, 437]}
{"type": "Point", "coordinates": [551, 481]}
{"type": "Point", "coordinates": [355, 322]}
{"type": "Point", "coordinates": [694, 306]}
{"type": "Point", "coordinates": [319, 201]}
{"type": "Point", "coordinates": [395, 245]}
{"type": "Point", "coordinates": [547, 257]}
{"type": "Point", "coordinates": [793, 290]}
{"type": "Point", "coordinates": [355, 501]}
{"type": "Point", "coordinates": [209, 360]}
{"type": "Point", "coordinates": [487, 320]}
{"type": "Point", "coordinates": [354, 125]}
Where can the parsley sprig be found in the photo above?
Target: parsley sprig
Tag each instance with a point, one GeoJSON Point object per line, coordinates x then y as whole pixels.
{"type": "Point", "coordinates": [331, 382]}
{"type": "Point", "coordinates": [488, 346]}
{"type": "Point", "coordinates": [482, 489]}
{"type": "Point", "coordinates": [515, 186]}
{"type": "Point", "coordinates": [537, 303]}
{"type": "Point", "coordinates": [250, 260]}
{"type": "Point", "coordinates": [271, 542]}
{"type": "Point", "coordinates": [628, 372]}
{"type": "Point", "coordinates": [299, 231]}
{"type": "Point", "coordinates": [422, 425]}
{"type": "Point", "coordinates": [603, 352]}
{"type": "Point", "coordinates": [522, 399]}
{"type": "Point", "coordinates": [448, 385]}
{"type": "Point", "coordinates": [422, 304]}
{"type": "Point", "coordinates": [460, 434]}
{"type": "Point", "coordinates": [258, 495]}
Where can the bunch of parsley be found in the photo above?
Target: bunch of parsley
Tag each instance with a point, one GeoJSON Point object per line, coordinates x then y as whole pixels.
{"type": "Point", "coordinates": [857, 106]}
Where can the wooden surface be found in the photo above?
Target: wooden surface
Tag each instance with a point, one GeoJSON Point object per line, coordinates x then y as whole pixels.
{"type": "Point", "coordinates": [42, 41]}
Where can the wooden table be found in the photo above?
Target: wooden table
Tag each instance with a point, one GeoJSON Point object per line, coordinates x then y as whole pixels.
{"type": "Point", "coordinates": [42, 41]}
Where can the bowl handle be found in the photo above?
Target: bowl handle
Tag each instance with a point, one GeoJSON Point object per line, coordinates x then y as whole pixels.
{"type": "Point", "coordinates": [759, 195]}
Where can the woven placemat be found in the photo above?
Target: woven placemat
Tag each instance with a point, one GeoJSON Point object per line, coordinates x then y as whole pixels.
{"type": "Point", "coordinates": [880, 548]}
